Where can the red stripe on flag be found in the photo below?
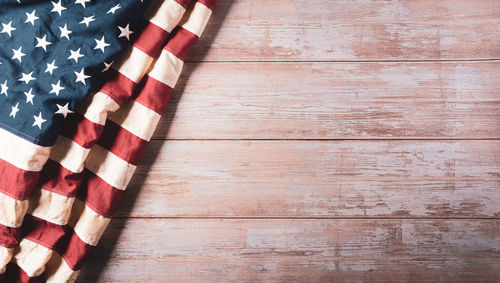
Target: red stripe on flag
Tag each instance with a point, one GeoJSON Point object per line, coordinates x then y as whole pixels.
{"type": "Point", "coordinates": [154, 95]}
{"type": "Point", "coordinates": [118, 86]}
{"type": "Point", "coordinates": [184, 3]}
{"type": "Point", "coordinates": [43, 232]}
{"type": "Point", "coordinates": [180, 43]}
{"type": "Point", "coordinates": [99, 195]}
{"type": "Point", "coordinates": [62, 239]}
{"type": "Point", "coordinates": [209, 3]}
{"type": "Point", "coordinates": [122, 143]}
{"type": "Point", "coordinates": [9, 237]}
{"type": "Point", "coordinates": [15, 182]}
{"type": "Point", "coordinates": [16, 274]}
{"type": "Point", "coordinates": [81, 130]}
{"type": "Point", "coordinates": [148, 46]}
{"type": "Point", "coordinates": [73, 249]}
{"type": "Point", "coordinates": [58, 179]}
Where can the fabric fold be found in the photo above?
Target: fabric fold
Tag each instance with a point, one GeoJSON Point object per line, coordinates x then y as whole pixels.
{"type": "Point", "coordinates": [93, 159]}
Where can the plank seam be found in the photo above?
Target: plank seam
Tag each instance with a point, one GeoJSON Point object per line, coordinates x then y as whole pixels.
{"type": "Point", "coordinates": [338, 139]}
{"type": "Point", "coordinates": [305, 218]}
{"type": "Point", "coordinates": [348, 61]}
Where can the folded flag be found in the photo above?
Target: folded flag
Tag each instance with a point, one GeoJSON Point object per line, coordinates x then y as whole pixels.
{"type": "Point", "coordinates": [70, 190]}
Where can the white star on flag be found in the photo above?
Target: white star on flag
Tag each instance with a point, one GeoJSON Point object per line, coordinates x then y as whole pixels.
{"type": "Point", "coordinates": [7, 28]}
{"type": "Point", "coordinates": [82, 2]}
{"type": "Point", "coordinates": [39, 121]}
{"type": "Point", "coordinates": [75, 55]}
{"type": "Point", "coordinates": [42, 42]}
{"type": "Point", "coordinates": [56, 88]}
{"type": "Point", "coordinates": [65, 32]}
{"type": "Point", "coordinates": [81, 77]}
{"type": "Point", "coordinates": [86, 20]}
{"type": "Point", "coordinates": [58, 8]}
{"type": "Point", "coordinates": [113, 10]}
{"type": "Point", "coordinates": [51, 67]}
{"type": "Point", "coordinates": [31, 17]}
{"type": "Point", "coordinates": [101, 44]}
{"type": "Point", "coordinates": [14, 111]}
{"type": "Point", "coordinates": [27, 77]}
{"type": "Point", "coordinates": [125, 31]}
{"type": "Point", "coordinates": [29, 96]}
{"type": "Point", "coordinates": [4, 88]}
{"type": "Point", "coordinates": [107, 66]}
{"type": "Point", "coordinates": [63, 110]}
{"type": "Point", "coordinates": [18, 54]}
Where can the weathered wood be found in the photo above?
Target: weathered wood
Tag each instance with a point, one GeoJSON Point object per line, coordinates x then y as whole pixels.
{"type": "Point", "coordinates": [335, 100]}
{"type": "Point", "coordinates": [317, 178]}
{"type": "Point", "coordinates": [350, 30]}
{"type": "Point", "coordinates": [322, 211]}
{"type": "Point", "coordinates": [190, 250]}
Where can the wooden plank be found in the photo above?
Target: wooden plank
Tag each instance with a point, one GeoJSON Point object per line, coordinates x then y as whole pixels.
{"type": "Point", "coordinates": [316, 179]}
{"type": "Point", "coordinates": [376, 189]}
{"type": "Point", "coordinates": [259, 30]}
{"type": "Point", "coordinates": [190, 250]}
{"type": "Point", "coordinates": [335, 100]}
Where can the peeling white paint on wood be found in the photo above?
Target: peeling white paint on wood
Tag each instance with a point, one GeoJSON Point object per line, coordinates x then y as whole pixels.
{"type": "Point", "coordinates": [257, 30]}
{"type": "Point", "coordinates": [209, 250]}
{"type": "Point", "coordinates": [317, 178]}
{"type": "Point", "coordinates": [335, 100]}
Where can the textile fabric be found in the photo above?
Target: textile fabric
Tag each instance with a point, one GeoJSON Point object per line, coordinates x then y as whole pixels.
{"type": "Point", "coordinates": [56, 201]}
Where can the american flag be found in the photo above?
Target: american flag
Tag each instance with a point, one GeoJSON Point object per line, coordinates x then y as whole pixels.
{"type": "Point", "coordinates": [83, 85]}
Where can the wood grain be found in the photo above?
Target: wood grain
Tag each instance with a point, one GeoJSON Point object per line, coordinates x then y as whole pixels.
{"type": "Point", "coordinates": [249, 250]}
{"type": "Point", "coordinates": [335, 100]}
{"type": "Point", "coordinates": [322, 141]}
{"type": "Point", "coordinates": [316, 179]}
{"type": "Point", "coordinates": [260, 30]}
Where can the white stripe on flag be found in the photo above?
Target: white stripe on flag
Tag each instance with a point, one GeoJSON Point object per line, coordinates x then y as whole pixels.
{"type": "Point", "coordinates": [131, 117]}
{"type": "Point", "coordinates": [5, 256]}
{"type": "Point", "coordinates": [96, 107]}
{"type": "Point", "coordinates": [133, 64]}
{"type": "Point", "coordinates": [69, 154]}
{"type": "Point", "coordinates": [167, 15]}
{"type": "Point", "coordinates": [58, 270]}
{"type": "Point", "coordinates": [198, 19]}
{"type": "Point", "coordinates": [12, 211]}
{"type": "Point", "coordinates": [167, 68]}
{"type": "Point", "coordinates": [109, 167]}
{"type": "Point", "coordinates": [50, 206]}
{"type": "Point", "coordinates": [22, 153]}
{"type": "Point", "coordinates": [88, 224]}
{"type": "Point", "coordinates": [31, 257]}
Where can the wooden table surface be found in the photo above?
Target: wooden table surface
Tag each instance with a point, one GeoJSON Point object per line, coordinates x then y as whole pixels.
{"type": "Point", "coordinates": [325, 140]}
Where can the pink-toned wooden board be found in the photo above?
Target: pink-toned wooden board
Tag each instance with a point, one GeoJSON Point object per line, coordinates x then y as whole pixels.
{"type": "Point", "coordinates": [317, 179]}
{"type": "Point", "coordinates": [298, 30]}
{"type": "Point", "coordinates": [335, 100]}
{"type": "Point", "coordinates": [284, 250]}
{"type": "Point", "coordinates": [322, 141]}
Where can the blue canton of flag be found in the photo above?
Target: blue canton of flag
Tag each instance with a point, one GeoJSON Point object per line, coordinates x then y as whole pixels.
{"type": "Point", "coordinates": [53, 54]}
